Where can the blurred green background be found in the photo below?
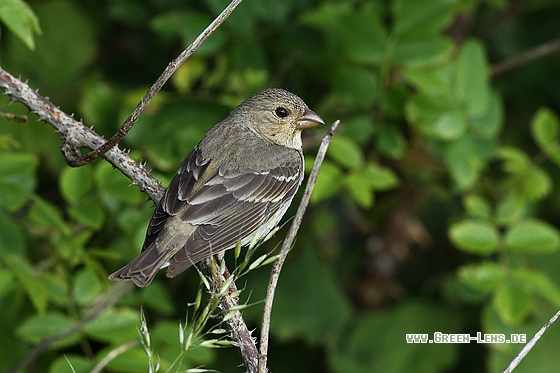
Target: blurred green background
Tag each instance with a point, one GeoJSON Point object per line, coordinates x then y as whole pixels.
{"type": "Point", "coordinates": [436, 209]}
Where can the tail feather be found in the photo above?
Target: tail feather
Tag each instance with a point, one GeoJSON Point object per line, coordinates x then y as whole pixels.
{"type": "Point", "coordinates": [142, 269]}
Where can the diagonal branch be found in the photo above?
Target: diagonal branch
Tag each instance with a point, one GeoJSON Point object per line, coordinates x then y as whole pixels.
{"type": "Point", "coordinates": [529, 346]}
{"type": "Point", "coordinates": [76, 135]}
{"type": "Point", "coordinates": [72, 154]}
{"type": "Point", "coordinates": [525, 57]}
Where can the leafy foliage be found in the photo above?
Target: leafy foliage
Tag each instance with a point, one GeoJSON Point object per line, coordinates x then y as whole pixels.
{"type": "Point", "coordinates": [435, 211]}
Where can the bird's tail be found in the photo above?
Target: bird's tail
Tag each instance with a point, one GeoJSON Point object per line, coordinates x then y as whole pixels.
{"type": "Point", "coordinates": [142, 269]}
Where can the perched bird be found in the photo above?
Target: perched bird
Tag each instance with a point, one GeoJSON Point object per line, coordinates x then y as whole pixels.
{"type": "Point", "coordinates": [234, 186]}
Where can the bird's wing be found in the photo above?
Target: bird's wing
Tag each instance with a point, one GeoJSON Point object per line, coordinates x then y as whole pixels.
{"type": "Point", "coordinates": [190, 171]}
{"type": "Point", "coordinates": [225, 206]}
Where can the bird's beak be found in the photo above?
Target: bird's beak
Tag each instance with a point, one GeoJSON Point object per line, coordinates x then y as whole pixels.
{"type": "Point", "coordinates": [309, 119]}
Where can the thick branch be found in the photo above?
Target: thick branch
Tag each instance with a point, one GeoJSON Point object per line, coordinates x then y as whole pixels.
{"type": "Point", "coordinates": [287, 245]}
{"type": "Point", "coordinates": [78, 135]}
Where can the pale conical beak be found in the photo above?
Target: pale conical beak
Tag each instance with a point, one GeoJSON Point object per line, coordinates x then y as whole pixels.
{"type": "Point", "coordinates": [309, 119]}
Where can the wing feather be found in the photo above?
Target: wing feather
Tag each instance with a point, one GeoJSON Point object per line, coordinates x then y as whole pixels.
{"type": "Point", "coordinates": [225, 206]}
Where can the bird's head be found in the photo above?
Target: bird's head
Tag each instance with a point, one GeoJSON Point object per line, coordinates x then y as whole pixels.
{"type": "Point", "coordinates": [279, 116]}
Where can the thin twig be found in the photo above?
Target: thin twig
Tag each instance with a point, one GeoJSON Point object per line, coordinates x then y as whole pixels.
{"type": "Point", "coordinates": [286, 246]}
{"type": "Point", "coordinates": [106, 300]}
{"type": "Point", "coordinates": [515, 362]}
{"type": "Point", "coordinates": [74, 158]}
{"type": "Point", "coordinates": [527, 56]}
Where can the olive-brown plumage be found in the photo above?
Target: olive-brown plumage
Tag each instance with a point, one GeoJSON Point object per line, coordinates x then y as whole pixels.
{"type": "Point", "coordinates": [235, 185]}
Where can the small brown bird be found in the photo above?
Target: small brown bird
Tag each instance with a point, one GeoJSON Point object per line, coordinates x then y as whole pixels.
{"type": "Point", "coordinates": [234, 186]}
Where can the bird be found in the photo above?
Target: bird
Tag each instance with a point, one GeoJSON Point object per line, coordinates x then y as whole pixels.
{"type": "Point", "coordinates": [233, 187]}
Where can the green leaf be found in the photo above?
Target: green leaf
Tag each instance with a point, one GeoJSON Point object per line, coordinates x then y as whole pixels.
{"type": "Point", "coordinates": [477, 207]}
{"type": "Point", "coordinates": [422, 17]}
{"type": "Point", "coordinates": [70, 363]}
{"type": "Point", "coordinates": [472, 77]}
{"type": "Point", "coordinates": [416, 50]}
{"type": "Point", "coordinates": [533, 236]}
{"type": "Point", "coordinates": [39, 327]}
{"type": "Point", "coordinates": [99, 105]}
{"type": "Point", "coordinates": [379, 177]}
{"type": "Point", "coordinates": [431, 80]}
{"type": "Point", "coordinates": [12, 239]}
{"type": "Point", "coordinates": [510, 208]}
{"type": "Point", "coordinates": [329, 180]}
{"type": "Point", "coordinates": [88, 212]}
{"type": "Point", "coordinates": [47, 215]}
{"type": "Point", "coordinates": [475, 236]}
{"type": "Point", "coordinates": [539, 283]}
{"type": "Point", "coordinates": [17, 178]}
{"type": "Point", "coordinates": [364, 42]}
{"type": "Point", "coordinates": [71, 248]}
{"type": "Point", "coordinates": [114, 325]}
{"type": "Point", "coordinates": [76, 183]}
{"type": "Point", "coordinates": [437, 116]}
{"type": "Point", "coordinates": [114, 186]}
{"type": "Point", "coordinates": [86, 287]}
{"type": "Point", "coordinates": [67, 35]}
{"type": "Point", "coordinates": [20, 19]}
{"type": "Point", "coordinates": [391, 142]}
{"type": "Point", "coordinates": [6, 281]}
{"type": "Point", "coordinates": [131, 361]}
{"type": "Point", "coordinates": [354, 85]}
{"type": "Point", "coordinates": [466, 158]}
{"type": "Point", "coordinates": [156, 296]}
{"type": "Point", "coordinates": [359, 128]}
{"type": "Point", "coordinates": [516, 161]}
{"type": "Point", "coordinates": [33, 286]}
{"type": "Point", "coordinates": [483, 277]}
{"type": "Point", "coordinates": [346, 152]}
{"type": "Point", "coordinates": [536, 184]}
{"type": "Point", "coordinates": [490, 123]}
{"type": "Point", "coordinates": [512, 303]}
{"type": "Point", "coordinates": [359, 189]}
{"type": "Point", "coordinates": [545, 128]}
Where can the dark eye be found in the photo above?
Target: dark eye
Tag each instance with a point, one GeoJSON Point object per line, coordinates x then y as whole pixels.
{"type": "Point", "coordinates": [281, 112]}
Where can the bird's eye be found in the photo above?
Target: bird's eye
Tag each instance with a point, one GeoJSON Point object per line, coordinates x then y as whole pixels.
{"type": "Point", "coordinates": [281, 112]}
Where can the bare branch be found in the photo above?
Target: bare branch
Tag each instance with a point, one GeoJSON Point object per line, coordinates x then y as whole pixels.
{"type": "Point", "coordinates": [77, 134]}
{"type": "Point", "coordinates": [75, 159]}
{"type": "Point", "coordinates": [529, 346]}
{"type": "Point", "coordinates": [287, 245]}
{"type": "Point", "coordinates": [525, 57]}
